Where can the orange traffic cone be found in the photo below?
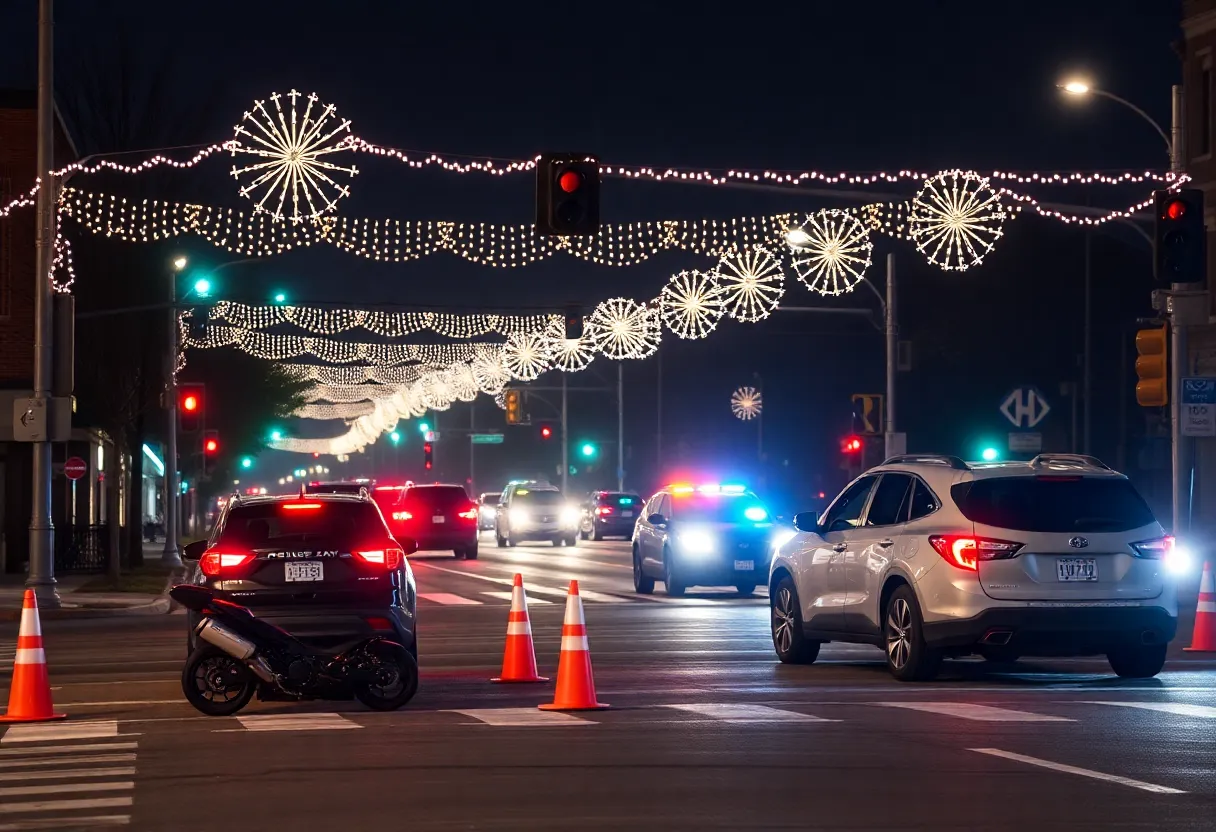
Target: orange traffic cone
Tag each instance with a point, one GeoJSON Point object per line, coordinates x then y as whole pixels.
{"type": "Point", "coordinates": [575, 685]}
{"type": "Point", "coordinates": [29, 695]}
{"type": "Point", "coordinates": [519, 657]}
{"type": "Point", "coordinates": [1204, 638]}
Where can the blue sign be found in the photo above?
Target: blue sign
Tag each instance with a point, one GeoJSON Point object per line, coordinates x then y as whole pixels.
{"type": "Point", "coordinates": [1199, 391]}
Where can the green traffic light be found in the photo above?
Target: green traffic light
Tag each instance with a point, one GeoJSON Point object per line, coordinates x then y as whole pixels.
{"type": "Point", "coordinates": [990, 454]}
{"type": "Point", "coordinates": [423, 427]}
{"type": "Point", "coordinates": [202, 287]}
{"type": "Point", "coordinates": [588, 449]}
{"type": "Point", "coordinates": [247, 462]}
{"type": "Point", "coordinates": [276, 435]}
{"type": "Point", "coordinates": [395, 436]}
{"type": "Point", "coordinates": [280, 297]}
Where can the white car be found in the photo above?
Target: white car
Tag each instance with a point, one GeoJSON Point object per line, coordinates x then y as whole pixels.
{"type": "Point", "coordinates": [929, 556]}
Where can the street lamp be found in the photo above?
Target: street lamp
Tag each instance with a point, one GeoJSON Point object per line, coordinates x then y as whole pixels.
{"type": "Point", "coordinates": [1078, 89]}
{"type": "Point", "coordinates": [180, 263]}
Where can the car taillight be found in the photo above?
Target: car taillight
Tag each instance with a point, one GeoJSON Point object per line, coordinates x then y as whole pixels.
{"type": "Point", "coordinates": [470, 514]}
{"type": "Point", "coordinates": [965, 551]}
{"type": "Point", "coordinates": [389, 558]}
{"type": "Point", "coordinates": [402, 515]}
{"type": "Point", "coordinates": [215, 562]}
{"type": "Point", "coordinates": [1159, 548]}
{"type": "Point", "coordinates": [602, 510]}
{"type": "Point", "coordinates": [379, 624]}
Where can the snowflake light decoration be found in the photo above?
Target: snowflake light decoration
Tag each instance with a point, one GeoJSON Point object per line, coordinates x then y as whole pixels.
{"type": "Point", "coordinates": [831, 251]}
{"type": "Point", "coordinates": [746, 403]}
{"type": "Point", "coordinates": [956, 219]}
{"type": "Point", "coordinates": [525, 355]}
{"type": "Point", "coordinates": [461, 383]}
{"type": "Point", "coordinates": [295, 175]}
{"type": "Point", "coordinates": [569, 354]}
{"type": "Point", "coordinates": [489, 373]}
{"type": "Point", "coordinates": [500, 399]}
{"type": "Point", "coordinates": [752, 283]}
{"type": "Point", "coordinates": [623, 328]}
{"type": "Point", "coordinates": [692, 303]}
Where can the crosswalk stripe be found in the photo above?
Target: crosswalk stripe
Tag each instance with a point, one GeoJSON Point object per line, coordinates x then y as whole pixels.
{"type": "Point", "coordinates": [586, 594]}
{"type": "Point", "coordinates": [59, 788]}
{"type": "Point", "coordinates": [64, 805]}
{"type": "Point", "coordinates": [506, 596]}
{"type": "Point", "coordinates": [296, 722]}
{"type": "Point", "coordinates": [101, 729]}
{"type": "Point", "coordinates": [75, 821]}
{"type": "Point", "coordinates": [978, 713]}
{"type": "Point", "coordinates": [63, 774]}
{"type": "Point", "coordinates": [69, 749]}
{"type": "Point", "coordinates": [521, 717]}
{"type": "Point", "coordinates": [65, 761]}
{"type": "Point", "coordinates": [1083, 772]}
{"type": "Point", "coordinates": [448, 599]}
{"type": "Point", "coordinates": [747, 714]}
{"type": "Point", "coordinates": [1178, 708]}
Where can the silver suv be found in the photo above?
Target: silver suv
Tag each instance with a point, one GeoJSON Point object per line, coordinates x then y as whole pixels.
{"type": "Point", "coordinates": [930, 556]}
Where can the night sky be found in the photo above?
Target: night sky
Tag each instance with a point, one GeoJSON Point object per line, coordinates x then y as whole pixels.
{"type": "Point", "coordinates": [836, 87]}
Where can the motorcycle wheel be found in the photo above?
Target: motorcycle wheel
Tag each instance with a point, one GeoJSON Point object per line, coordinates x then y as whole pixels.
{"type": "Point", "coordinates": [215, 683]}
{"type": "Point", "coordinates": [398, 679]}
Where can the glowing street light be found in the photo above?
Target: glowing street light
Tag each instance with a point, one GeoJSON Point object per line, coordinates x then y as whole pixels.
{"type": "Point", "coordinates": [1075, 87]}
{"type": "Point", "coordinates": [180, 263]}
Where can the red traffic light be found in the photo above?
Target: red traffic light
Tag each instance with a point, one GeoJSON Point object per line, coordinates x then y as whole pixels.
{"type": "Point", "coordinates": [851, 445]}
{"type": "Point", "coordinates": [211, 446]}
{"type": "Point", "coordinates": [1174, 210]}
{"type": "Point", "coordinates": [546, 432]}
{"type": "Point", "coordinates": [570, 181]}
{"type": "Point", "coordinates": [426, 448]}
{"type": "Point", "coordinates": [190, 402]}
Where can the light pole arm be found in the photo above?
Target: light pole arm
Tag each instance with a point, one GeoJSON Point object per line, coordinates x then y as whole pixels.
{"type": "Point", "coordinates": [1169, 144]}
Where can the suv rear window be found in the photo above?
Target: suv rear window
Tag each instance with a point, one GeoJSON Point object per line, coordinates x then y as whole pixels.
{"type": "Point", "coordinates": [490, 499]}
{"type": "Point", "coordinates": [618, 500]}
{"type": "Point", "coordinates": [1053, 504]}
{"type": "Point", "coordinates": [439, 497]}
{"type": "Point", "coordinates": [274, 524]}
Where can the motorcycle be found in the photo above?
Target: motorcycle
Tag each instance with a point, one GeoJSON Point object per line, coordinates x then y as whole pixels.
{"type": "Point", "coordinates": [239, 655]}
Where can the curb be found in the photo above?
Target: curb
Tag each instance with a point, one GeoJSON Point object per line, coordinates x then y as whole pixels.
{"type": "Point", "coordinates": [163, 605]}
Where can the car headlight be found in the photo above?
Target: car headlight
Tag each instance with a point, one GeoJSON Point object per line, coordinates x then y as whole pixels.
{"type": "Point", "coordinates": [696, 542]}
{"type": "Point", "coordinates": [519, 516]}
{"type": "Point", "coordinates": [570, 516]}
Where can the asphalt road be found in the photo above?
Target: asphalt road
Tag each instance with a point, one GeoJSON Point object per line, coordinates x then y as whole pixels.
{"type": "Point", "coordinates": [706, 729]}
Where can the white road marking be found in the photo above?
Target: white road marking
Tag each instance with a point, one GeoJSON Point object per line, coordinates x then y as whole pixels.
{"type": "Point", "coordinates": [979, 713]}
{"type": "Point", "coordinates": [295, 722]}
{"type": "Point", "coordinates": [60, 788]}
{"type": "Point", "coordinates": [533, 589]}
{"type": "Point", "coordinates": [65, 761]}
{"type": "Point", "coordinates": [1083, 772]}
{"type": "Point", "coordinates": [64, 805]}
{"type": "Point", "coordinates": [506, 596]}
{"type": "Point", "coordinates": [101, 729]}
{"type": "Point", "coordinates": [74, 821]}
{"type": "Point", "coordinates": [63, 774]}
{"type": "Point", "coordinates": [747, 714]}
{"type": "Point", "coordinates": [448, 599]}
{"type": "Point", "coordinates": [1178, 708]}
{"type": "Point", "coordinates": [69, 749]}
{"type": "Point", "coordinates": [522, 717]}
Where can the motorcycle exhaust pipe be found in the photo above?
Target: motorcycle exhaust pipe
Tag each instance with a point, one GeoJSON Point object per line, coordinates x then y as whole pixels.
{"type": "Point", "coordinates": [236, 646]}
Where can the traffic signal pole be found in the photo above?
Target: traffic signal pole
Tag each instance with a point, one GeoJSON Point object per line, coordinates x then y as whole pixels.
{"type": "Point", "coordinates": [565, 441]}
{"type": "Point", "coordinates": [170, 555]}
{"type": "Point", "coordinates": [892, 334]}
{"type": "Point", "coordinates": [1179, 462]}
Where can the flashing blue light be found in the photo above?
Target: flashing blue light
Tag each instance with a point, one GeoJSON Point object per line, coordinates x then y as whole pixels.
{"type": "Point", "coordinates": [755, 514]}
{"type": "Point", "coordinates": [713, 488]}
{"type": "Point", "coordinates": [990, 454]}
{"type": "Point", "coordinates": [733, 489]}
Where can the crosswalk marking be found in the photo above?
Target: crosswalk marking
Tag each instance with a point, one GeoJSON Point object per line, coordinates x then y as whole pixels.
{"type": "Point", "coordinates": [74, 822]}
{"type": "Point", "coordinates": [64, 806]}
{"type": "Point", "coordinates": [1178, 708]}
{"type": "Point", "coordinates": [448, 599]}
{"type": "Point", "coordinates": [747, 714]}
{"type": "Point", "coordinates": [506, 596]}
{"type": "Point", "coordinates": [68, 772]}
{"type": "Point", "coordinates": [68, 749]}
{"type": "Point", "coordinates": [1084, 772]}
{"type": "Point", "coordinates": [522, 717]}
{"type": "Point", "coordinates": [296, 722]}
{"type": "Point", "coordinates": [58, 761]}
{"type": "Point", "coordinates": [101, 729]}
{"type": "Point", "coordinates": [60, 788]}
{"type": "Point", "coordinates": [979, 713]}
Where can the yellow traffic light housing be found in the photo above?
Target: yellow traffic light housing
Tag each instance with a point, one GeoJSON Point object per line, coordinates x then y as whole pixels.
{"type": "Point", "coordinates": [1152, 368]}
{"type": "Point", "coordinates": [511, 400]}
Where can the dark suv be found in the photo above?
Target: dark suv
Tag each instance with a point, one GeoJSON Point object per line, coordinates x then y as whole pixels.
{"type": "Point", "coordinates": [324, 567]}
{"type": "Point", "coordinates": [438, 517]}
{"type": "Point", "coordinates": [610, 514]}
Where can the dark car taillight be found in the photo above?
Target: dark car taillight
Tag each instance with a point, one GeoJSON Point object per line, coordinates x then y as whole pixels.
{"type": "Point", "coordinates": [470, 513]}
{"type": "Point", "coordinates": [1159, 548]}
{"type": "Point", "coordinates": [965, 551]}
{"type": "Point", "coordinates": [216, 562]}
{"type": "Point", "coordinates": [389, 557]}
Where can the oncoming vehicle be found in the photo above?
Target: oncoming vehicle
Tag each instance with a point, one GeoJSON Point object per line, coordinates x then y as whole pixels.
{"type": "Point", "coordinates": [535, 514]}
{"type": "Point", "coordinates": [438, 517]}
{"type": "Point", "coordinates": [709, 535]}
{"type": "Point", "coordinates": [929, 556]}
{"type": "Point", "coordinates": [487, 504]}
{"type": "Point", "coordinates": [609, 514]}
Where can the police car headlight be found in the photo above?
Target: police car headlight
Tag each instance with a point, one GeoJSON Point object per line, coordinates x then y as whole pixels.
{"type": "Point", "coordinates": [697, 542]}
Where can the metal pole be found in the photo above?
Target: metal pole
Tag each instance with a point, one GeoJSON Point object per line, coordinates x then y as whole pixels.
{"type": "Point", "coordinates": [565, 441]}
{"type": "Point", "coordinates": [169, 555]}
{"type": "Point", "coordinates": [620, 426]}
{"type": "Point", "coordinates": [658, 442]}
{"type": "Point", "coordinates": [1179, 359]}
{"type": "Point", "coordinates": [760, 420]}
{"type": "Point", "coordinates": [1176, 128]}
{"type": "Point", "coordinates": [41, 576]}
{"type": "Point", "coordinates": [1121, 453]}
{"type": "Point", "coordinates": [892, 334]}
{"type": "Point", "coordinates": [472, 430]}
{"type": "Point", "coordinates": [1086, 350]}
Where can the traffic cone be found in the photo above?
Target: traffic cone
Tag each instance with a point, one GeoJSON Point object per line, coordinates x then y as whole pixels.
{"type": "Point", "coordinates": [29, 695]}
{"type": "Point", "coordinates": [519, 657]}
{"type": "Point", "coordinates": [1203, 640]}
{"type": "Point", "coordinates": [575, 685]}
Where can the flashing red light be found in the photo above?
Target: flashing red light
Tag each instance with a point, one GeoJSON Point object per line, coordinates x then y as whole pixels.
{"type": "Point", "coordinates": [427, 448]}
{"type": "Point", "coordinates": [851, 445]}
{"type": "Point", "coordinates": [211, 446]}
{"type": "Point", "coordinates": [1175, 210]}
{"type": "Point", "coordinates": [570, 181]}
{"type": "Point", "coordinates": [189, 402]}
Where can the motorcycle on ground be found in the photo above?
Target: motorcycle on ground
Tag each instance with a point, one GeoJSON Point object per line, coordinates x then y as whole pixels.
{"type": "Point", "coordinates": [239, 655]}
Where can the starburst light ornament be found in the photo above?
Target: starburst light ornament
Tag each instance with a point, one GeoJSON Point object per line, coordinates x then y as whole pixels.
{"type": "Point", "coordinates": [624, 329]}
{"type": "Point", "coordinates": [490, 374]}
{"type": "Point", "coordinates": [569, 354]}
{"type": "Point", "coordinates": [692, 303]}
{"type": "Point", "coordinates": [752, 283]}
{"type": "Point", "coordinates": [295, 181]}
{"type": "Point", "coordinates": [525, 355]}
{"type": "Point", "coordinates": [956, 219]}
{"type": "Point", "coordinates": [746, 403]}
{"type": "Point", "coordinates": [831, 251]}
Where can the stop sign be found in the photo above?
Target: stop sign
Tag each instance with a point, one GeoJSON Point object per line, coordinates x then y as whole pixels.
{"type": "Point", "coordinates": [75, 468]}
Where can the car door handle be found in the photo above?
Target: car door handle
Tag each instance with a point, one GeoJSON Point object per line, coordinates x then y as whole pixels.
{"type": "Point", "coordinates": [885, 543]}
{"type": "Point", "coordinates": [840, 547]}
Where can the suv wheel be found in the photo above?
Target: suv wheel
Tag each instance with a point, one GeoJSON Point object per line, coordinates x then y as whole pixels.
{"type": "Point", "coordinates": [908, 657]}
{"type": "Point", "coordinates": [471, 552]}
{"type": "Point", "coordinates": [1137, 662]}
{"type": "Point", "coordinates": [746, 589]}
{"type": "Point", "coordinates": [671, 584]}
{"type": "Point", "coordinates": [643, 584]}
{"type": "Point", "coordinates": [584, 532]}
{"type": "Point", "coordinates": [499, 540]}
{"type": "Point", "coordinates": [791, 644]}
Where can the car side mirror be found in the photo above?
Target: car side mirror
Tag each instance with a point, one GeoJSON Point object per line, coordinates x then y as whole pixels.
{"type": "Point", "coordinates": [408, 545]}
{"type": "Point", "coordinates": [194, 551]}
{"type": "Point", "coordinates": [806, 521]}
{"type": "Point", "coordinates": [657, 520]}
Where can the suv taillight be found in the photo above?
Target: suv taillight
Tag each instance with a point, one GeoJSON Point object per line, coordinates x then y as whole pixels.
{"type": "Point", "coordinates": [402, 516]}
{"type": "Point", "coordinates": [389, 558]}
{"type": "Point", "coordinates": [602, 510]}
{"type": "Point", "coordinates": [966, 551]}
{"type": "Point", "coordinates": [1159, 548]}
{"type": "Point", "coordinates": [215, 562]}
{"type": "Point", "coordinates": [470, 513]}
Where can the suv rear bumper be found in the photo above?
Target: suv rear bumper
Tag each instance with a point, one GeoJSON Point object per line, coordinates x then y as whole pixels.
{"type": "Point", "coordinates": [1055, 631]}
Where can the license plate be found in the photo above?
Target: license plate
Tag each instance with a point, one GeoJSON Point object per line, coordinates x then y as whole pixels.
{"type": "Point", "coordinates": [626, 513]}
{"type": "Point", "coordinates": [745, 565]}
{"type": "Point", "coordinates": [438, 518]}
{"type": "Point", "coordinates": [307, 570]}
{"type": "Point", "coordinates": [1077, 569]}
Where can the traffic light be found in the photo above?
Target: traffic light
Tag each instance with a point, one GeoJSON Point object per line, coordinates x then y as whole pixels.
{"type": "Point", "coordinates": [190, 408]}
{"type": "Point", "coordinates": [511, 403]}
{"type": "Point", "coordinates": [395, 437]}
{"type": "Point", "coordinates": [588, 450]}
{"type": "Point", "coordinates": [567, 194]}
{"type": "Point", "coordinates": [279, 297]}
{"type": "Point", "coordinates": [211, 449]}
{"type": "Point", "coordinates": [246, 462]}
{"type": "Point", "coordinates": [851, 445]}
{"type": "Point", "coordinates": [574, 323]}
{"type": "Point", "coordinates": [428, 456]}
{"type": "Point", "coordinates": [546, 432]}
{"type": "Point", "coordinates": [1179, 238]}
{"type": "Point", "coordinates": [1152, 368]}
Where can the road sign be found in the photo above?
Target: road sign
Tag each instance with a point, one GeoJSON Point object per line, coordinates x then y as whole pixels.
{"type": "Point", "coordinates": [486, 438]}
{"type": "Point", "coordinates": [29, 420]}
{"type": "Point", "coordinates": [1026, 442]}
{"type": "Point", "coordinates": [867, 411]}
{"type": "Point", "coordinates": [75, 468]}
{"type": "Point", "coordinates": [431, 436]}
{"type": "Point", "coordinates": [1199, 407]}
{"type": "Point", "coordinates": [1025, 407]}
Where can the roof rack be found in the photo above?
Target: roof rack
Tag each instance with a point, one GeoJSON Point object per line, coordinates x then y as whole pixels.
{"type": "Point", "coordinates": [1075, 460]}
{"type": "Point", "coordinates": [929, 459]}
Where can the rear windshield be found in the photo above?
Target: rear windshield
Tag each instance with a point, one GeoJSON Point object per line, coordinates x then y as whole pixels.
{"type": "Point", "coordinates": [540, 498]}
{"type": "Point", "coordinates": [719, 509]}
{"type": "Point", "coordinates": [490, 499]}
{"type": "Point", "coordinates": [271, 525]}
{"type": "Point", "coordinates": [336, 488]}
{"type": "Point", "coordinates": [1053, 504]}
{"type": "Point", "coordinates": [440, 497]}
{"type": "Point", "coordinates": [619, 500]}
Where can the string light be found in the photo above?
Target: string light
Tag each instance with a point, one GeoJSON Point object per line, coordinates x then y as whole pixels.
{"type": "Point", "coordinates": [956, 220]}
{"type": "Point", "coordinates": [489, 373]}
{"type": "Point", "coordinates": [746, 403]}
{"type": "Point", "coordinates": [389, 324]}
{"type": "Point", "coordinates": [752, 283]}
{"type": "Point", "coordinates": [525, 356]}
{"type": "Point", "coordinates": [569, 354]}
{"type": "Point", "coordinates": [691, 303]}
{"type": "Point", "coordinates": [350, 410]}
{"type": "Point", "coordinates": [831, 251]}
{"type": "Point", "coordinates": [624, 328]}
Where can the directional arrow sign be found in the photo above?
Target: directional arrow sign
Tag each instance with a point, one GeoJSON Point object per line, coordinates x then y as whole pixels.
{"type": "Point", "coordinates": [1025, 407]}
